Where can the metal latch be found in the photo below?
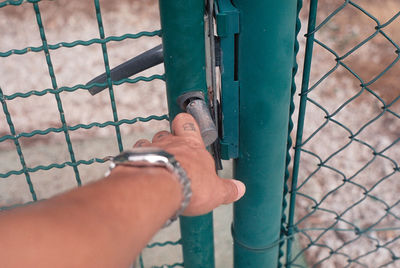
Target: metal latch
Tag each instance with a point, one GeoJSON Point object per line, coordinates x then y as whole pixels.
{"type": "Point", "coordinates": [193, 102]}
{"type": "Point", "coordinates": [225, 57]}
{"type": "Point", "coordinates": [227, 22]}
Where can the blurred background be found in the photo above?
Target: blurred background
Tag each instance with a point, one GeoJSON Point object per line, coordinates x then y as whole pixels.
{"type": "Point", "coordinates": [68, 21]}
{"type": "Point", "coordinates": [349, 51]}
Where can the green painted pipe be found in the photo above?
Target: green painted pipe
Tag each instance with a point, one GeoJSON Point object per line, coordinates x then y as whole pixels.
{"type": "Point", "coordinates": [182, 23]}
{"type": "Point", "coordinates": [265, 62]}
{"type": "Point", "coordinates": [182, 27]}
{"type": "Point", "coordinates": [300, 123]}
{"type": "Point", "coordinates": [197, 241]}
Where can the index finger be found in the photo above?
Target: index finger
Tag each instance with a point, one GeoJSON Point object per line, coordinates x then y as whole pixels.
{"type": "Point", "coordinates": [185, 125]}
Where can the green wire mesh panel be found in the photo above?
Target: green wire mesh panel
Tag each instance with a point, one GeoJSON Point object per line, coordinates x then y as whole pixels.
{"type": "Point", "coordinates": [53, 134]}
{"type": "Point", "coordinates": [344, 204]}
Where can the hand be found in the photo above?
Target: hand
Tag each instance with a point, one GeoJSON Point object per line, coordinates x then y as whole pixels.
{"type": "Point", "coordinates": [209, 190]}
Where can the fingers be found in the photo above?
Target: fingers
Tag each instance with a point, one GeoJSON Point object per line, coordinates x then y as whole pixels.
{"type": "Point", "coordinates": [184, 125]}
{"type": "Point", "coordinates": [233, 190]}
{"type": "Point", "coordinates": [142, 143]}
{"type": "Point", "coordinates": [160, 136]}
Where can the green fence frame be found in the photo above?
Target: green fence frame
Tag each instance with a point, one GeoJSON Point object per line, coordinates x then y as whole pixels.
{"type": "Point", "coordinates": [262, 93]}
{"type": "Point", "coordinates": [182, 23]}
{"type": "Point", "coordinates": [300, 127]}
{"type": "Point", "coordinates": [265, 63]}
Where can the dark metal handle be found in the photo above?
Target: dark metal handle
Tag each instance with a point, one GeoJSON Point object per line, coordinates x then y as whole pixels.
{"type": "Point", "coordinates": [199, 110]}
{"type": "Point", "coordinates": [133, 66]}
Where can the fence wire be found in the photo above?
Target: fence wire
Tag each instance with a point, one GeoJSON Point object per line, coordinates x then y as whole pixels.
{"type": "Point", "coordinates": [46, 48]}
{"type": "Point", "coordinates": [344, 203]}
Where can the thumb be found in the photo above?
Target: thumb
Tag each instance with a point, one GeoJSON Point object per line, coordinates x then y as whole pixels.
{"type": "Point", "coordinates": [233, 190]}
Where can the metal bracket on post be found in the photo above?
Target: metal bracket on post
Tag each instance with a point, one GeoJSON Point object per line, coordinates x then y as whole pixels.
{"type": "Point", "coordinates": [227, 21]}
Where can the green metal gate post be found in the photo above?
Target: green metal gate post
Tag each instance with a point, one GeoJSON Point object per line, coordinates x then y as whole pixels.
{"type": "Point", "coordinates": [265, 62]}
{"type": "Point", "coordinates": [182, 23]}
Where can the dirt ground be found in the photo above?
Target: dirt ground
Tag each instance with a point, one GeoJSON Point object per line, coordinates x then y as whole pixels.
{"type": "Point", "coordinates": [66, 21]}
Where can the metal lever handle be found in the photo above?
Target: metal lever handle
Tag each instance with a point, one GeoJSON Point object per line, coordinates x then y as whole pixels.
{"type": "Point", "coordinates": [133, 66]}
{"type": "Point", "coordinates": [199, 110]}
{"type": "Point", "coordinates": [136, 65]}
{"type": "Point", "coordinates": [194, 104]}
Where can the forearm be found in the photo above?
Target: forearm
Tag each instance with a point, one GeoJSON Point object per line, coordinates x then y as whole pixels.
{"type": "Point", "coordinates": [107, 223]}
{"type": "Point", "coordinates": [104, 224]}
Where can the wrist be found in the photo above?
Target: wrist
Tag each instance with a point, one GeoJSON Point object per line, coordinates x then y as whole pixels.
{"type": "Point", "coordinates": [158, 175]}
{"type": "Point", "coordinates": [154, 157]}
{"type": "Point", "coordinates": [157, 183]}
{"type": "Point", "coordinates": [132, 173]}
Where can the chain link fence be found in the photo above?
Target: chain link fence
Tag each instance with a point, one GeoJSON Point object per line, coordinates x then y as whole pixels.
{"type": "Point", "coordinates": [69, 138]}
{"type": "Point", "coordinates": [344, 207]}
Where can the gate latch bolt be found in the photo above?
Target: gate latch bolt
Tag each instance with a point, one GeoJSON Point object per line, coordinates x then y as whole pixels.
{"type": "Point", "coordinates": [194, 103]}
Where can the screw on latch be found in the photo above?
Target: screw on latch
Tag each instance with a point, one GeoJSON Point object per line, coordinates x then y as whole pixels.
{"type": "Point", "coordinates": [194, 103]}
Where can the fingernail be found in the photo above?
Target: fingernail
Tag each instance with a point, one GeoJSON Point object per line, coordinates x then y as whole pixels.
{"type": "Point", "coordinates": [241, 188]}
